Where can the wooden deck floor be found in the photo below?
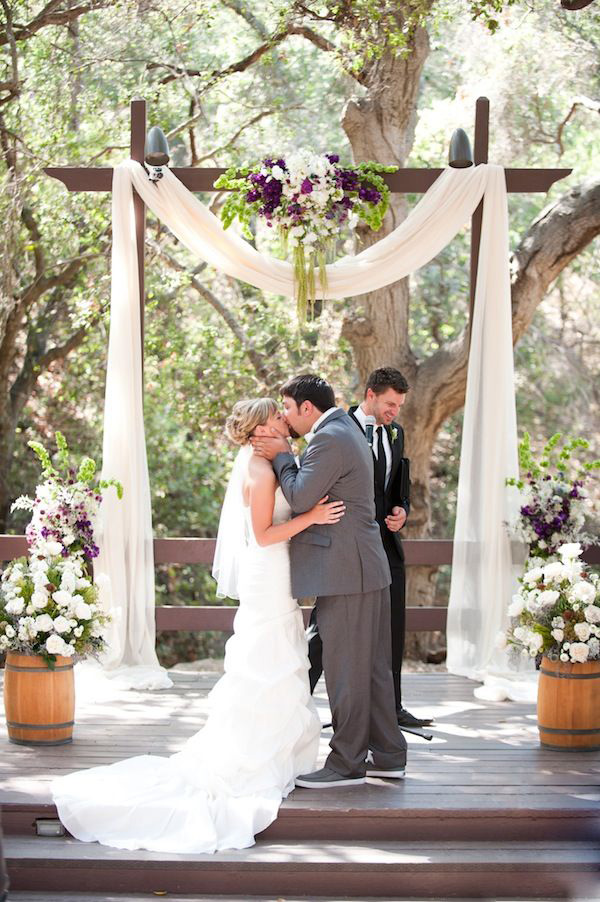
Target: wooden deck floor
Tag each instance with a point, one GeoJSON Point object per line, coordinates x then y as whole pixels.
{"type": "Point", "coordinates": [484, 756]}
{"type": "Point", "coordinates": [483, 812]}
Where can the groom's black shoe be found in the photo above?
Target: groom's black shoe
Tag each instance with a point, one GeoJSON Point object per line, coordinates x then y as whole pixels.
{"type": "Point", "coordinates": [326, 778]}
{"type": "Point", "coordinates": [406, 719]}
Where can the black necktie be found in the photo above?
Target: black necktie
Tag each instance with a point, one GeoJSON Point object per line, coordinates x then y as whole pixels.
{"type": "Point", "coordinates": [380, 461]}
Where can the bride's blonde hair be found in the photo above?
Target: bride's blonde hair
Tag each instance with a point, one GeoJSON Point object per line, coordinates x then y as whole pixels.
{"type": "Point", "coordinates": [246, 416]}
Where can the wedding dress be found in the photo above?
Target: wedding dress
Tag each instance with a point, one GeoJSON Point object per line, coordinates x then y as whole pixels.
{"type": "Point", "coordinates": [227, 782]}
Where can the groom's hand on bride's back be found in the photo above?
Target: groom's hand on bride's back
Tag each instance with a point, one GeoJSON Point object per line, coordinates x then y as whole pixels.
{"type": "Point", "coordinates": [269, 446]}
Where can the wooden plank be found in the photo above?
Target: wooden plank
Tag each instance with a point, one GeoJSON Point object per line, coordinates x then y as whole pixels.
{"type": "Point", "coordinates": [406, 181]}
{"type": "Point", "coordinates": [194, 550]}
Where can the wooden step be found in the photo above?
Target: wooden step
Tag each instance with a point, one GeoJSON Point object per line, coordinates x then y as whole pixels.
{"type": "Point", "coordinates": [398, 870]}
{"type": "Point", "coordinates": [343, 819]}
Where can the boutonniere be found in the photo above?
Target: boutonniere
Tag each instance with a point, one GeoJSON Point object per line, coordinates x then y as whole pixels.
{"type": "Point", "coordinates": [394, 433]}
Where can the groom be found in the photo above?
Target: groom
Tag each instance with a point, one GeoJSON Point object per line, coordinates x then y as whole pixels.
{"type": "Point", "coordinates": [345, 566]}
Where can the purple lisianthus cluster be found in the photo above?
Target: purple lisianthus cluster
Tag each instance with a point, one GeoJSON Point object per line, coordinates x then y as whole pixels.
{"type": "Point", "coordinates": [309, 196]}
{"type": "Point", "coordinates": [551, 515]}
{"type": "Point", "coordinates": [64, 512]}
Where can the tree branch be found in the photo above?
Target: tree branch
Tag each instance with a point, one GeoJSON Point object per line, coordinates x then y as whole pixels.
{"type": "Point", "coordinates": [585, 102]}
{"type": "Point", "coordinates": [50, 15]}
{"type": "Point", "coordinates": [258, 361]}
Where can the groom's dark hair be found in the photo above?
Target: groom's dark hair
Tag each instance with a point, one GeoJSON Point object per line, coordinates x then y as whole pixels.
{"type": "Point", "coordinates": [310, 388]}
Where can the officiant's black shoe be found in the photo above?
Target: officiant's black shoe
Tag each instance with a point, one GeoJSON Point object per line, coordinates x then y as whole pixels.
{"type": "Point", "coordinates": [326, 778]}
{"type": "Point", "coordinates": [406, 719]}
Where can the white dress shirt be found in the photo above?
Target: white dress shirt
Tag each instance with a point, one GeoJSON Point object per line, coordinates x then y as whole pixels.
{"type": "Point", "coordinates": [361, 416]}
{"type": "Point", "coordinates": [310, 435]}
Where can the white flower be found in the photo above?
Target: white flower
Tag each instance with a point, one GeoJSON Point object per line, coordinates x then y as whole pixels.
{"type": "Point", "coordinates": [10, 631]}
{"type": "Point", "coordinates": [15, 606]}
{"type": "Point", "coordinates": [78, 631]}
{"type": "Point", "coordinates": [61, 624]}
{"type": "Point", "coordinates": [592, 613]}
{"type": "Point", "coordinates": [277, 172]}
{"type": "Point", "coordinates": [582, 631]}
{"type": "Point", "coordinates": [49, 548]}
{"type": "Point", "coordinates": [68, 581]}
{"type": "Point", "coordinates": [83, 611]}
{"type": "Point", "coordinates": [583, 591]}
{"type": "Point", "coordinates": [564, 657]}
{"type": "Point", "coordinates": [520, 633]}
{"type": "Point", "coordinates": [68, 538]}
{"type": "Point", "coordinates": [535, 641]}
{"type": "Point", "coordinates": [44, 623]}
{"type": "Point", "coordinates": [516, 607]}
{"type": "Point", "coordinates": [579, 652]}
{"type": "Point", "coordinates": [501, 642]}
{"type": "Point", "coordinates": [83, 583]}
{"type": "Point", "coordinates": [570, 550]}
{"type": "Point", "coordinates": [533, 575]}
{"type": "Point", "coordinates": [554, 571]}
{"type": "Point", "coordinates": [549, 596]}
{"type": "Point", "coordinates": [558, 622]}
{"type": "Point", "coordinates": [55, 645]}
{"type": "Point", "coordinates": [63, 599]}
{"type": "Point", "coordinates": [557, 634]}
{"type": "Point", "coordinates": [39, 599]}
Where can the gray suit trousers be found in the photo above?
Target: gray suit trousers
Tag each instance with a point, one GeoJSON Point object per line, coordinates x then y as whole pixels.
{"type": "Point", "coordinates": [359, 681]}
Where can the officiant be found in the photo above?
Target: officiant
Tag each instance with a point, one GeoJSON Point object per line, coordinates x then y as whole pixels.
{"type": "Point", "coordinates": [385, 393]}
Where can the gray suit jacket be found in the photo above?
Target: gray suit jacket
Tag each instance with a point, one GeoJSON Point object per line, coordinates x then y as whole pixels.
{"type": "Point", "coordinates": [345, 558]}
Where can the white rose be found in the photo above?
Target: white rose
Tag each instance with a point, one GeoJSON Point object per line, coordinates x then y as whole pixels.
{"type": "Point", "coordinates": [63, 599]}
{"type": "Point", "coordinates": [82, 583]}
{"type": "Point", "coordinates": [583, 591]}
{"type": "Point", "coordinates": [78, 631]}
{"type": "Point", "coordinates": [68, 650]}
{"type": "Point", "coordinates": [39, 600]}
{"type": "Point", "coordinates": [83, 611]}
{"type": "Point", "coordinates": [554, 571]}
{"type": "Point", "coordinates": [516, 607]}
{"type": "Point", "coordinates": [68, 581]}
{"type": "Point", "coordinates": [548, 597]}
{"type": "Point", "coordinates": [582, 631]}
{"type": "Point", "coordinates": [61, 624]}
{"type": "Point", "coordinates": [533, 575]}
{"type": "Point", "coordinates": [52, 548]}
{"type": "Point", "coordinates": [520, 633]}
{"type": "Point", "coordinates": [44, 623]}
{"type": "Point", "coordinates": [535, 641]}
{"type": "Point", "coordinates": [4, 643]}
{"type": "Point", "coordinates": [55, 645]}
{"type": "Point", "coordinates": [10, 631]}
{"type": "Point", "coordinates": [277, 172]}
{"type": "Point", "coordinates": [557, 634]}
{"type": "Point", "coordinates": [570, 550]}
{"type": "Point", "coordinates": [68, 538]}
{"type": "Point", "coordinates": [564, 657]}
{"type": "Point", "coordinates": [592, 613]}
{"type": "Point", "coordinates": [579, 652]}
{"type": "Point", "coordinates": [15, 606]}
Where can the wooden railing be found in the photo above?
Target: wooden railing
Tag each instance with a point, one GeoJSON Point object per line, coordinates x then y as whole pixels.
{"type": "Point", "coordinates": [428, 552]}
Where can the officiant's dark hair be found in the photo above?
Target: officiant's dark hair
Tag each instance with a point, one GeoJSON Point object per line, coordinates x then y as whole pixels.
{"type": "Point", "coordinates": [386, 377]}
{"type": "Point", "coordinates": [310, 388]}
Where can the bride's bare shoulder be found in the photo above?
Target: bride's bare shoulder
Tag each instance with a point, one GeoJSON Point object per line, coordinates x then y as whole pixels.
{"type": "Point", "coordinates": [260, 470]}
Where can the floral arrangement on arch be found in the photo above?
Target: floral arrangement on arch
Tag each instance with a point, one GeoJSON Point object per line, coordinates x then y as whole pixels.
{"type": "Point", "coordinates": [49, 603]}
{"type": "Point", "coordinates": [557, 610]}
{"type": "Point", "coordinates": [307, 198]}
{"type": "Point", "coordinates": [552, 496]}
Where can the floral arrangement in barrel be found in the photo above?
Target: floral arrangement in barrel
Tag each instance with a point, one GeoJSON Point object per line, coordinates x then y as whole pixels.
{"type": "Point", "coordinates": [557, 609]}
{"type": "Point", "coordinates": [49, 603]}
{"type": "Point", "coordinates": [307, 198]}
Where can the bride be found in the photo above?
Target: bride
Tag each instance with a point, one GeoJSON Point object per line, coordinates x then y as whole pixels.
{"type": "Point", "coordinates": [227, 782]}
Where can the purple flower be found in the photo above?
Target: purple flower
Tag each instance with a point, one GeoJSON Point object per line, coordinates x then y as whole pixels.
{"type": "Point", "coordinates": [252, 195]}
{"type": "Point", "coordinates": [281, 164]}
{"type": "Point", "coordinates": [306, 187]}
{"type": "Point", "coordinates": [333, 157]}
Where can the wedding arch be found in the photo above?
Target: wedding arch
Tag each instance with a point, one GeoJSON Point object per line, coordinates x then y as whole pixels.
{"type": "Point", "coordinates": [482, 568]}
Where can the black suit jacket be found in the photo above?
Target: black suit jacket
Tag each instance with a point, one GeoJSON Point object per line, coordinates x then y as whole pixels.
{"type": "Point", "coordinates": [396, 495]}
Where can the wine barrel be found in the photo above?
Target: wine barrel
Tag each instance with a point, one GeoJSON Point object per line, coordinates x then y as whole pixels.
{"type": "Point", "coordinates": [39, 702]}
{"type": "Point", "coordinates": [569, 706]}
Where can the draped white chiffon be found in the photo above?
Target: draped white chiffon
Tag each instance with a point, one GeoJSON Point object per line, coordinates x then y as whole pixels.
{"type": "Point", "coordinates": [227, 782]}
{"type": "Point", "coordinates": [481, 573]}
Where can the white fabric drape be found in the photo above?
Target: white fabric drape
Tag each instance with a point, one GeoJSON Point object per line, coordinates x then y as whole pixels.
{"type": "Point", "coordinates": [480, 585]}
{"type": "Point", "coordinates": [125, 527]}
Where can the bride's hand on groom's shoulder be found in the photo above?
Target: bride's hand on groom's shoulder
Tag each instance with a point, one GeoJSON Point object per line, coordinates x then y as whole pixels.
{"type": "Point", "coordinates": [269, 446]}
